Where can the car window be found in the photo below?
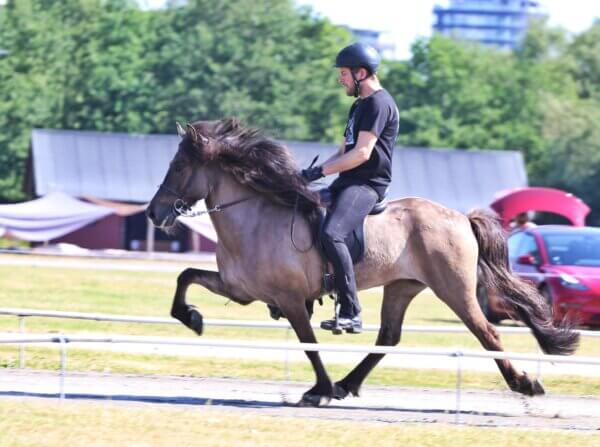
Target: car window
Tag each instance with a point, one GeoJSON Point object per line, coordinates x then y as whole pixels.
{"type": "Point", "coordinates": [573, 249]}
{"type": "Point", "coordinates": [529, 246]}
{"type": "Point", "coordinates": [513, 244]}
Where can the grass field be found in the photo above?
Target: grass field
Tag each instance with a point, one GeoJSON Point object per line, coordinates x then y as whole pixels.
{"type": "Point", "coordinates": [77, 424]}
{"type": "Point", "coordinates": [150, 293]}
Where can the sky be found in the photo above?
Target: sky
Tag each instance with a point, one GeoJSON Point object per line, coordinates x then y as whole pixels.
{"type": "Point", "coordinates": [406, 20]}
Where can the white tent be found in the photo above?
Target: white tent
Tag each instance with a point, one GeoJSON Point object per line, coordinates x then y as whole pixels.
{"type": "Point", "coordinates": [57, 214]}
{"type": "Point", "coordinates": [200, 224]}
{"type": "Point", "coordinates": [49, 217]}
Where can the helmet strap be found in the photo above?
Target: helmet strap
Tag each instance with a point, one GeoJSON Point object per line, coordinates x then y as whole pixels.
{"type": "Point", "coordinates": [356, 83]}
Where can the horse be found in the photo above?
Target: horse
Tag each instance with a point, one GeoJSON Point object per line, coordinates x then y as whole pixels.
{"type": "Point", "coordinates": [265, 215]}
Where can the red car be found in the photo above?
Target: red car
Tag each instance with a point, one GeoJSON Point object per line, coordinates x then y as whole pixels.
{"type": "Point", "coordinates": [564, 264]}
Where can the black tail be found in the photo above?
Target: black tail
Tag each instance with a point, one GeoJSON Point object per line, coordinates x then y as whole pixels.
{"type": "Point", "coordinates": [523, 299]}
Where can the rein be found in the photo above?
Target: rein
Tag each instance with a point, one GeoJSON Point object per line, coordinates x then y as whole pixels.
{"type": "Point", "coordinates": [312, 242]}
{"type": "Point", "coordinates": [181, 208]}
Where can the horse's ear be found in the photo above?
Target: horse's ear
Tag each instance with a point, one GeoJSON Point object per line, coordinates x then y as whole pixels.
{"type": "Point", "coordinates": [196, 136]}
{"type": "Point", "coordinates": [180, 130]}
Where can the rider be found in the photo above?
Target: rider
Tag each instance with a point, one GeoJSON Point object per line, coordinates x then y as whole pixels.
{"type": "Point", "coordinates": [364, 164]}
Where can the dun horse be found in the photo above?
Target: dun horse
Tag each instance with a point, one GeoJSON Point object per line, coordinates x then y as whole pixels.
{"type": "Point", "coordinates": [265, 251]}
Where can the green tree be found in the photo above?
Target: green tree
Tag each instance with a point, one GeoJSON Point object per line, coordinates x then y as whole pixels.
{"type": "Point", "coordinates": [107, 65]}
{"type": "Point", "coordinates": [263, 62]}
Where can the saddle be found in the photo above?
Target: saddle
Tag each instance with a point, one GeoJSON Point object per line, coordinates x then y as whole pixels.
{"type": "Point", "coordinates": [355, 240]}
{"type": "Point", "coordinates": [355, 243]}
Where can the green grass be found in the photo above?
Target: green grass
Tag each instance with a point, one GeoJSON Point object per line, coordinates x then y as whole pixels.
{"type": "Point", "coordinates": [13, 243]}
{"type": "Point", "coordinates": [150, 293]}
{"type": "Point", "coordinates": [25, 423]}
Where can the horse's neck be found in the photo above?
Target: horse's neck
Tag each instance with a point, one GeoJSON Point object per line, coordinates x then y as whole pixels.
{"type": "Point", "coordinates": [236, 222]}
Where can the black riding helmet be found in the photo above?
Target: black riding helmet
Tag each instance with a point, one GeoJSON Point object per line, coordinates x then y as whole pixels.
{"type": "Point", "coordinates": [358, 55]}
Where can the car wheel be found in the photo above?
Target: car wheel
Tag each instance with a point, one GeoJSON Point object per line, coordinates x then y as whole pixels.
{"type": "Point", "coordinates": [484, 303]}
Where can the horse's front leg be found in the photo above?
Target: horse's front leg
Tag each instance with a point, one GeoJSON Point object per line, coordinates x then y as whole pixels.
{"type": "Point", "coordinates": [187, 313]}
{"type": "Point", "coordinates": [297, 314]}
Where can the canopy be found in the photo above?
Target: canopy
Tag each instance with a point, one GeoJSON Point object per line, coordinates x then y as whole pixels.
{"type": "Point", "coordinates": [520, 200]}
{"type": "Point", "coordinates": [49, 217]}
{"type": "Point", "coordinates": [58, 214]}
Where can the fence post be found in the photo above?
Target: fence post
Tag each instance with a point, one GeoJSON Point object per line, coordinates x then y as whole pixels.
{"type": "Point", "coordinates": [63, 364]}
{"type": "Point", "coordinates": [287, 355]}
{"type": "Point", "coordinates": [458, 356]}
{"type": "Point", "coordinates": [22, 345]}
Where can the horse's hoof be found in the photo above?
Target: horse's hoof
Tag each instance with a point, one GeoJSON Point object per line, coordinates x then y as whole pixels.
{"type": "Point", "coordinates": [196, 323]}
{"type": "Point", "coordinates": [528, 386]}
{"type": "Point", "coordinates": [314, 400]}
{"type": "Point", "coordinates": [537, 388]}
{"type": "Point", "coordinates": [339, 392]}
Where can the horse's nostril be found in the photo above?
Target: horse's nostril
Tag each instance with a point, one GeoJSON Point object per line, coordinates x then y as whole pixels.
{"type": "Point", "coordinates": [149, 214]}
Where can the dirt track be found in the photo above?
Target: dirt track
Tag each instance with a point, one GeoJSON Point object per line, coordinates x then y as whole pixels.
{"type": "Point", "coordinates": [378, 404]}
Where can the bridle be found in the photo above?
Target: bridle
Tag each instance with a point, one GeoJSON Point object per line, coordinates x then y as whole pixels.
{"type": "Point", "coordinates": [182, 208]}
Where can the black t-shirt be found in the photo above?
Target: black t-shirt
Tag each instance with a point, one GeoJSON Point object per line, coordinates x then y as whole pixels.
{"type": "Point", "coordinates": [379, 115]}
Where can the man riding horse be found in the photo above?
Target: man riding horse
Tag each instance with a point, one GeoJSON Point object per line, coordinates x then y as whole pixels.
{"type": "Point", "coordinates": [253, 194]}
{"type": "Point", "coordinates": [364, 164]}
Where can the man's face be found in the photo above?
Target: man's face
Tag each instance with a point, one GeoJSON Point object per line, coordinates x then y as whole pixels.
{"type": "Point", "coordinates": [345, 78]}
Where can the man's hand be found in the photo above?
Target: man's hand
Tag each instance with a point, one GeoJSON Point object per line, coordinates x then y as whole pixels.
{"type": "Point", "coordinates": [312, 174]}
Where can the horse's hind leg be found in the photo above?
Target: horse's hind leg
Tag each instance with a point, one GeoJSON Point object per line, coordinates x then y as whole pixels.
{"type": "Point", "coordinates": [187, 313]}
{"type": "Point", "coordinates": [463, 301]}
{"type": "Point", "coordinates": [396, 298]}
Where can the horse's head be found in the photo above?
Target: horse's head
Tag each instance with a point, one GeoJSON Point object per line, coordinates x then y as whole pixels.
{"type": "Point", "coordinates": [188, 179]}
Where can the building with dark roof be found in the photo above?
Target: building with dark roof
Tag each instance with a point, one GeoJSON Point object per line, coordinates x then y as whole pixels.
{"type": "Point", "coordinates": [498, 23]}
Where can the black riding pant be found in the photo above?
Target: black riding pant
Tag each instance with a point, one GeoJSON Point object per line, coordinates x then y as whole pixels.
{"type": "Point", "coordinates": [350, 206]}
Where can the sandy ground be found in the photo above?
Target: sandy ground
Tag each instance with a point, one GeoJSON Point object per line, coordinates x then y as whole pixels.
{"type": "Point", "coordinates": [377, 404]}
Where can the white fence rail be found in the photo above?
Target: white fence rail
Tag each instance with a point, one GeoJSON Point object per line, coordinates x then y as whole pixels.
{"type": "Point", "coordinates": [64, 339]}
{"type": "Point", "coordinates": [24, 313]}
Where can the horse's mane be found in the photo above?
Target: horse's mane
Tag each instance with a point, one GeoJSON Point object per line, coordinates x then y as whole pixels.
{"type": "Point", "coordinates": [258, 162]}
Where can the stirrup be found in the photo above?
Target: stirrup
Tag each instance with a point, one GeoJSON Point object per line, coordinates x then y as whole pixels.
{"type": "Point", "coordinates": [339, 324]}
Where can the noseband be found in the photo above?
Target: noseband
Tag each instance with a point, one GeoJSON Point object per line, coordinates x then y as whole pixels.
{"type": "Point", "coordinates": [182, 208]}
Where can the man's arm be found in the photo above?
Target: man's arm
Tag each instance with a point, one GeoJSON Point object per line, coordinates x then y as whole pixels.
{"type": "Point", "coordinates": [338, 153]}
{"type": "Point", "coordinates": [357, 156]}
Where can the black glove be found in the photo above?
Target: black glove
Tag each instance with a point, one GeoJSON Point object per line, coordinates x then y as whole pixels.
{"type": "Point", "coordinates": [312, 174]}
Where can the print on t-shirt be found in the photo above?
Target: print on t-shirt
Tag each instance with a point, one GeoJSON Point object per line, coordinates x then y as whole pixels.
{"type": "Point", "coordinates": [350, 132]}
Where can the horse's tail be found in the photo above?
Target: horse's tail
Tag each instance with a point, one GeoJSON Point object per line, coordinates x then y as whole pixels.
{"type": "Point", "coordinates": [522, 298]}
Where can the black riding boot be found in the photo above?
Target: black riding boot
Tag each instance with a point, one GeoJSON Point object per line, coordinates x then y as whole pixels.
{"type": "Point", "coordinates": [351, 206]}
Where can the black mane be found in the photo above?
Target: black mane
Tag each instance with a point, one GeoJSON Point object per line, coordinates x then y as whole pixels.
{"type": "Point", "coordinates": [258, 162]}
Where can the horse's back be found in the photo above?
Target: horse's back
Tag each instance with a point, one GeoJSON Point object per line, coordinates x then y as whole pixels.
{"type": "Point", "coordinates": [418, 214]}
{"type": "Point", "coordinates": [411, 233]}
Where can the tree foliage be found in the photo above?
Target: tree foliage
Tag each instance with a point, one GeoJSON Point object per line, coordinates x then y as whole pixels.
{"type": "Point", "coordinates": [543, 99]}
{"type": "Point", "coordinates": [107, 65]}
